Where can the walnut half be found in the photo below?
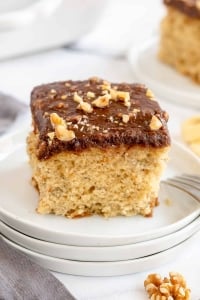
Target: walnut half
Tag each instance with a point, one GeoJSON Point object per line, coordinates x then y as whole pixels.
{"type": "Point", "coordinates": [172, 288]}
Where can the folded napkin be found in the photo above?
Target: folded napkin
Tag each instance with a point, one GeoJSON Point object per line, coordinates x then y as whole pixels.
{"type": "Point", "coordinates": [22, 279]}
{"type": "Point", "coordinates": [10, 109]}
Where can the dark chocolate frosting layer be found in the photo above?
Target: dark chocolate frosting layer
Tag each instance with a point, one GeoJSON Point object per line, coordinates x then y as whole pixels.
{"type": "Point", "coordinates": [130, 118]}
{"type": "Point", "coordinates": [188, 7]}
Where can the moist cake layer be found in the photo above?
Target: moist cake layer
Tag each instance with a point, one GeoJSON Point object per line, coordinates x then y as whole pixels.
{"type": "Point", "coordinates": [77, 115]}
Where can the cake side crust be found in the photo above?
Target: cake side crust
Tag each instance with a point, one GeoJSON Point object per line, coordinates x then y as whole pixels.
{"type": "Point", "coordinates": [109, 182]}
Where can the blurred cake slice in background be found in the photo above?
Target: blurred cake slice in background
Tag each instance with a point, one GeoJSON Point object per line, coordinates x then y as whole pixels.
{"type": "Point", "coordinates": [180, 37]}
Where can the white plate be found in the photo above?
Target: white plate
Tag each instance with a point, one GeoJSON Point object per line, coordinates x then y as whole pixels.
{"type": "Point", "coordinates": [166, 82]}
{"type": "Point", "coordinates": [114, 253]}
{"type": "Point", "coordinates": [19, 199]}
{"type": "Point", "coordinates": [103, 268]}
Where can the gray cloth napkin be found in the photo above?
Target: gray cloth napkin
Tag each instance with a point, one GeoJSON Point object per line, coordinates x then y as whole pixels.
{"type": "Point", "coordinates": [10, 109]}
{"type": "Point", "coordinates": [22, 279]}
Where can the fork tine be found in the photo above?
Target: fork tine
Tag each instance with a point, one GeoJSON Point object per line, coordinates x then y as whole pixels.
{"type": "Point", "coordinates": [188, 180]}
{"type": "Point", "coordinates": [195, 178]}
{"type": "Point", "coordinates": [181, 183]}
{"type": "Point", "coordinates": [187, 185]}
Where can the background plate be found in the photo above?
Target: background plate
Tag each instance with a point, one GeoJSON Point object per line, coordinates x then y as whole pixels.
{"type": "Point", "coordinates": [165, 81]}
{"type": "Point", "coordinates": [19, 199]}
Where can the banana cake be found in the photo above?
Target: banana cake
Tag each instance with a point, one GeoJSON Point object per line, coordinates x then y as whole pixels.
{"type": "Point", "coordinates": [180, 37]}
{"type": "Point", "coordinates": [97, 148]}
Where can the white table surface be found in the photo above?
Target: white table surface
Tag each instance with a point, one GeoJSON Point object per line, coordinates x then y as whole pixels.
{"type": "Point", "coordinates": [17, 77]}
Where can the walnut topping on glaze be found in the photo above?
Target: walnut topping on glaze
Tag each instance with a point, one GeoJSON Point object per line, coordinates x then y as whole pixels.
{"type": "Point", "coordinates": [155, 123]}
{"type": "Point", "coordinates": [63, 134]}
{"type": "Point", "coordinates": [102, 101]}
{"type": "Point", "coordinates": [56, 120]}
{"type": "Point", "coordinates": [106, 86]}
{"type": "Point", "coordinates": [150, 94]}
{"type": "Point", "coordinates": [125, 118]}
{"type": "Point", "coordinates": [90, 94]}
{"type": "Point", "coordinates": [46, 114]}
{"type": "Point", "coordinates": [136, 110]}
{"type": "Point", "coordinates": [77, 98]}
{"type": "Point", "coordinates": [53, 91]}
{"type": "Point", "coordinates": [82, 105]}
{"type": "Point", "coordinates": [51, 135]}
{"type": "Point", "coordinates": [85, 107]}
{"type": "Point", "coordinates": [63, 97]}
{"type": "Point", "coordinates": [60, 105]}
{"type": "Point", "coordinates": [111, 118]}
{"type": "Point", "coordinates": [121, 96]}
{"type": "Point", "coordinates": [61, 131]}
{"type": "Point", "coordinates": [172, 288]}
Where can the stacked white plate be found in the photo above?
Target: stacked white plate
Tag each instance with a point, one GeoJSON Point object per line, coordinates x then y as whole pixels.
{"type": "Point", "coordinates": [95, 246]}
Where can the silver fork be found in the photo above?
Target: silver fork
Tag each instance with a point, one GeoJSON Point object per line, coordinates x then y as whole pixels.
{"type": "Point", "coordinates": [186, 182]}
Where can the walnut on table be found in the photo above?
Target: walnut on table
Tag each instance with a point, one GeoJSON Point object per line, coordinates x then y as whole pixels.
{"type": "Point", "coordinates": [172, 288]}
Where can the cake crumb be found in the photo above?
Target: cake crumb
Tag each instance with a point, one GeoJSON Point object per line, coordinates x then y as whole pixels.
{"type": "Point", "coordinates": [168, 202]}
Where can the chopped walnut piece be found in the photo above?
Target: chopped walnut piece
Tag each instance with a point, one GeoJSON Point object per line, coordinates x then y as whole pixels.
{"type": "Point", "coordinates": [77, 98]}
{"type": "Point", "coordinates": [136, 110]}
{"type": "Point", "coordinates": [125, 118]}
{"type": "Point", "coordinates": [53, 91]}
{"type": "Point", "coordinates": [106, 86]}
{"type": "Point", "coordinates": [56, 120]}
{"type": "Point", "coordinates": [150, 94]}
{"type": "Point", "coordinates": [61, 131]}
{"type": "Point", "coordinates": [63, 97]}
{"type": "Point", "coordinates": [85, 107]}
{"type": "Point", "coordinates": [90, 94]}
{"type": "Point", "coordinates": [102, 101]}
{"type": "Point", "coordinates": [155, 123]}
{"type": "Point", "coordinates": [51, 135]}
{"type": "Point", "coordinates": [63, 134]}
{"type": "Point", "coordinates": [60, 105]}
{"type": "Point", "coordinates": [111, 118]}
{"type": "Point", "coordinates": [121, 96]}
{"type": "Point", "coordinates": [172, 288]}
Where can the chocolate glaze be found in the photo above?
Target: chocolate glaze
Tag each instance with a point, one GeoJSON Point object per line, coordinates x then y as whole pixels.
{"type": "Point", "coordinates": [188, 7]}
{"type": "Point", "coordinates": [103, 127]}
